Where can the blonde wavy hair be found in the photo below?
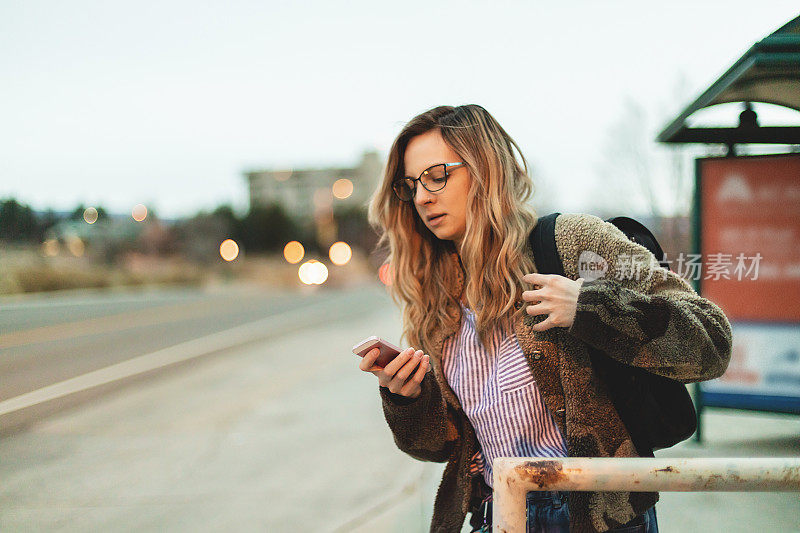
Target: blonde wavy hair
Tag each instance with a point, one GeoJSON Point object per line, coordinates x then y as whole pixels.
{"type": "Point", "coordinates": [492, 254]}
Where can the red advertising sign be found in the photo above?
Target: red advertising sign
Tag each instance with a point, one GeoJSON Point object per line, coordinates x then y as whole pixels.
{"type": "Point", "coordinates": [750, 236]}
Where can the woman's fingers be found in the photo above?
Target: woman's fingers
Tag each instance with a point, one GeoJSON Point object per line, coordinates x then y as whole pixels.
{"type": "Point", "coordinates": [368, 361]}
{"type": "Point", "coordinates": [422, 369]}
{"type": "Point", "coordinates": [408, 368]}
{"type": "Point", "coordinates": [538, 309]}
{"type": "Point", "coordinates": [413, 387]}
{"type": "Point", "coordinates": [534, 296]}
{"type": "Point", "coordinates": [398, 362]}
{"type": "Point", "coordinates": [538, 279]}
{"type": "Point", "coordinates": [403, 374]}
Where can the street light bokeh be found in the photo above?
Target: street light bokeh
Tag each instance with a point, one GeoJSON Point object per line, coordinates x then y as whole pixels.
{"type": "Point", "coordinates": [229, 250]}
{"type": "Point", "coordinates": [139, 212]}
{"type": "Point", "coordinates": [50, 247]}
{"type": "Point", "coordinates": [385, 274]}
{"type": "Point", "coordinates": [342, 188]}
{"type": "Point", "coordinates": [293, 252]}
{"type": "Point", "coordinates": [90, 215]}
{"type": "Point", "coordinates": [75, 245]}
{"type": "Point", "coordinates": [313, 272]}
{"type": "Point", "coordinates": [340, 253]}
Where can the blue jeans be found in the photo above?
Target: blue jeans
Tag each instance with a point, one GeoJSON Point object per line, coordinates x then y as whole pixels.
{"type": "Point", "coordinates": [548, 513]}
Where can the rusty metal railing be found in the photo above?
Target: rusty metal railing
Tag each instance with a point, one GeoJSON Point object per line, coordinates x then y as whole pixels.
{"type": "Point", "coordinates": [514, 477]}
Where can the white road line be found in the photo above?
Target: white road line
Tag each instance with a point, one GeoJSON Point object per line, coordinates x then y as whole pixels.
{"type": "Point", "coordinates": [83, 297]}
{"type": "Point", "coordinates": [281, 323]}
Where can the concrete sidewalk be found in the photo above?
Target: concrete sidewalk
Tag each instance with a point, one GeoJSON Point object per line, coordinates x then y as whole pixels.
{"type": "Point", "coordinates": [727, 434]}
{"type": "Point", "coordinates": [730, 433]}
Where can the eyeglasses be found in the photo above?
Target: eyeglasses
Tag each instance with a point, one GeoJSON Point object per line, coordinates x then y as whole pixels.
{"type": "Point", "coordinates": [433, 178]}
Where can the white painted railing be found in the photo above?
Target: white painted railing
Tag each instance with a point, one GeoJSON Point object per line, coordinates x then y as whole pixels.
{"type": "Point", "coordinates": [514, 477]}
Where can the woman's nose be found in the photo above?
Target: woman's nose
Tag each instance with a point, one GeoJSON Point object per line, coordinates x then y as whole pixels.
{"type": "Point", "coordinates": [422, 195]}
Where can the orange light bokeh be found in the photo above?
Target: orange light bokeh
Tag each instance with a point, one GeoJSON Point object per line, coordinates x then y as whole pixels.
{"type": "Point", "coordinates": [139, 212]}
{"type": "Point", "coordinates": [229, 250]}
{"type": "Point", "coordinates": [340, 253]}
{"type": "Point", "coordinates": [75, 246]}
{"type": "Point", "coordinates": [50, 247]}
{"type": "Point", "coordinates": [342, 188]}
{"type": "Point", "coordinates": [293, 252]}
{"type": "Point", "coordinates": [386, 274]}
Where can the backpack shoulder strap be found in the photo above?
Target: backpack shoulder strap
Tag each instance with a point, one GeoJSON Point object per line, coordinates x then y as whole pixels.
{"type": "Point", "coordinates": [543, 244]}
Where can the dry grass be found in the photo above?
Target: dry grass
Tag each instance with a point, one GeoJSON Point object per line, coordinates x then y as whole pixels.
{"type": "Point", "coordinates": [24, 270]}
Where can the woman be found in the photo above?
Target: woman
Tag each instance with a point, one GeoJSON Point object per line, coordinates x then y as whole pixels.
{"type": "Point", "coordinates": [508, 346]}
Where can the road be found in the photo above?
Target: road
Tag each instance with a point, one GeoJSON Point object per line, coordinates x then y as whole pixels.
{"type": "Point", "coordinates": [280, 433]}
{"type": "Point", "coordinates": [47, 340]}
{"type": "Point", "coordinates": [257, 420]}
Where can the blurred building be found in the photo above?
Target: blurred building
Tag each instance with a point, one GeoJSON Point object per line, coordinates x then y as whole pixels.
{"type": "Point", "coordinates": [306, 193]}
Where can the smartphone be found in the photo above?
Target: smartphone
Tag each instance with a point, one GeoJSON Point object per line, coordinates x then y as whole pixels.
{"type": "Point", "coordinates": [388, 350]}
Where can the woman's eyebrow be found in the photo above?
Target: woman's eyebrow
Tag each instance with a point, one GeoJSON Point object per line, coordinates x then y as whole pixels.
{"type": "Point", "coordinates": [421, 171]}
{"type": "Point", "coordinates": [409, 176]}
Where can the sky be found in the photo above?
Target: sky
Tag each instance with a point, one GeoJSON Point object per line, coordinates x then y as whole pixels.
{"type": "Point", "coordinates": [168, 103]}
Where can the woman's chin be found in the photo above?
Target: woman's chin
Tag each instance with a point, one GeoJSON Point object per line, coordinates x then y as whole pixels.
{"type": "Point", "coordinates": [442, 235]}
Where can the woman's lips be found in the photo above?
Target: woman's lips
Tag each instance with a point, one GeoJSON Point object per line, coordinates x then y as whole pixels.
{"type": "Point", "coordinates": [436, 221]}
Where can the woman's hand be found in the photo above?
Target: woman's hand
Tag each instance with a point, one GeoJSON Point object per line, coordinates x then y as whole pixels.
{"type": "Point", "coordinates": [556, 296]}
{"type": "Point", "coordinates": [399, 375]}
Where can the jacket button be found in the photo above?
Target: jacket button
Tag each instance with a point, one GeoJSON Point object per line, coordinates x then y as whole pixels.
{"type": "Point", "coordinates": [537, 354]}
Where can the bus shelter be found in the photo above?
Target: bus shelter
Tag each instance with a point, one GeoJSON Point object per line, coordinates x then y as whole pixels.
{"type": "Point", "coordinates": [746, 228]}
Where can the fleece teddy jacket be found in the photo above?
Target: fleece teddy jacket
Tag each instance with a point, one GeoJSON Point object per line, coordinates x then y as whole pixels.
{"type": "Point", "coordinates": [653, 319]}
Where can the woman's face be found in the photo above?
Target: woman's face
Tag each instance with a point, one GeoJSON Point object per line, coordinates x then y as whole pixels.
{"type": "Point", "coordinates": [429, 149]}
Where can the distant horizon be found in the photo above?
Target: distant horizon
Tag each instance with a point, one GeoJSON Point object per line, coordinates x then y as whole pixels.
{"type": "Point", "coordinates": [38, 211]}
{"type": "Point", "coordinates": [121, 215]}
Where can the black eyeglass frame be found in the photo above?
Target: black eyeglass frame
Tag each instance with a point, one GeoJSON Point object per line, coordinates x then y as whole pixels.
{"type": "Point", "coordinates": [419, 179]}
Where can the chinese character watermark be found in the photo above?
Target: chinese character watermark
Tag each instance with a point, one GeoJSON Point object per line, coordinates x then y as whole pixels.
{"type": "Point", "coordinates": [644, 266]}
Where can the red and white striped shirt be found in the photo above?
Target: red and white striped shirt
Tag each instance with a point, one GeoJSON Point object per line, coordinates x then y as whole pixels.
{"type": "Point", "coordinates": [499, 395]}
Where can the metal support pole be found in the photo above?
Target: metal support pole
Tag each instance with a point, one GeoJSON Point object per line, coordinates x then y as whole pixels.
{"type": "Point", "coordinates": [698, 407]}
{"type": "Point", "coordinates": [515, 477]}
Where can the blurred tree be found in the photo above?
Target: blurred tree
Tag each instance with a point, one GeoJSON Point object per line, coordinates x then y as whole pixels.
{"type": "Point", "coordinates": [354, 229]}
{"type": "Point", "coordinates": [199, 237]}
{"type": "Point", "coordinates": [262, 229]}
{"type": "Point", "coordinates": [17, 221]}
{"type": "Point", "coordinates": [77, 213]}
{"type": "Point", "coordinates": [46, 221]}
{"type": "Point", "coordinates": [225, 214]}
{"type": "Point", "coordinates": [639, 175]}
{"type": "Point", "coordinates": [269, 228]}
{"type": "Point", "coordinates": [156, 238]}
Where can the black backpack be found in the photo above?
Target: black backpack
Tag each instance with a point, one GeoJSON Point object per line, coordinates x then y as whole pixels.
{"type": "Point", "coordinates": [657, 411]}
